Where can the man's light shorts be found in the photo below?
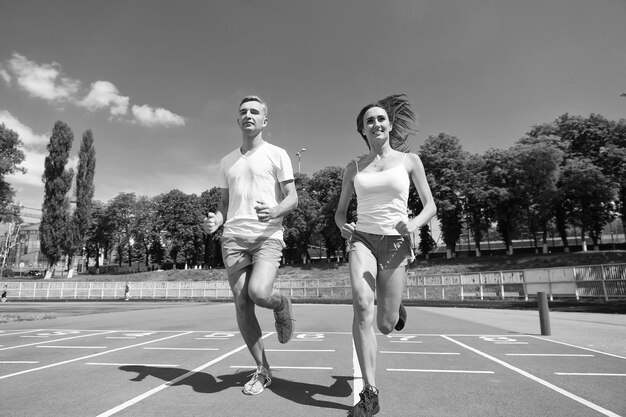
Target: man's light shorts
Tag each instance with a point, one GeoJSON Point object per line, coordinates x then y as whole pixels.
{"type": "Point", "coordinates": [390, 251]}
{"type": "Point", "coordinates": [239, 252]}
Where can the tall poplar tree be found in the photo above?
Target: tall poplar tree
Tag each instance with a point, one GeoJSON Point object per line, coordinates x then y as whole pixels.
{"type": "Point", "coordinates": [57, 179]}
{"type": "Point", "coordinates": [81, 218]}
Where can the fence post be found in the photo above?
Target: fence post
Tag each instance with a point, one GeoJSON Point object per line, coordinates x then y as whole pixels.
{"type": "Point", "coordinates": [502, 286]}
{"type": "Point", "coordinates": [443, 291]}
{"type": "Point", "coordinates": [480, 284]}
{"type": "Point", "coordinates": [606, 294]}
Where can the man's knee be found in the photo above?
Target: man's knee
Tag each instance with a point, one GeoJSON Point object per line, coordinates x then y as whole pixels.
{"type": "Point", "coordinates": [260, 296]}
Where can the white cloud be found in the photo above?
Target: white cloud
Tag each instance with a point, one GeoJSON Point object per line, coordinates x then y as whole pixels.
{"type": "Point", "coordinates": [104, 94]}
{"type": "Point", "coordinates": [43, 81]}
{"type": "Point", "coordinates": [5, 75]}
{"type": "Point", "coordinates": [46, 81]}
{"type": "Point", "coordinates": [27, 136]}
{"type": "Point", "coordinates": [152, 117]}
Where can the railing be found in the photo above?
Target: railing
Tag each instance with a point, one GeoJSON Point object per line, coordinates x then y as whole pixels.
{"type": "Point", "coordinates": [598, 281]}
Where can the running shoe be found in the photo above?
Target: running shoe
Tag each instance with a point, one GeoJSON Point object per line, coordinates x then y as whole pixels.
{"type": "Point", "coordinates": [368, 406]}
{"type": "Point", "coordinates": [261, 379]}
{"type": "Point", "coordinates": [284, 321]}
{"type": "Point", "coordinates": [401, 318]}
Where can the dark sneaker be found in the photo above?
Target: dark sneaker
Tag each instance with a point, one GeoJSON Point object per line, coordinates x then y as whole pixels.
{"type": "Point", "coordinates": [284, 321]}
{"type": "Point", "coordinates": [261, 379]}
{"type": "Point", "coordinates": [401, 318]}
{"type": "Point", "coordinates": [368, 406]}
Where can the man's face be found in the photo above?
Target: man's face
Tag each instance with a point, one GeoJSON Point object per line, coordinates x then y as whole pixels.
{"type": "Point", "coordinates": [251, 117]}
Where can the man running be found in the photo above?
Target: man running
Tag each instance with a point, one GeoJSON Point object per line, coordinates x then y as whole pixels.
{"type": "Point", "coordinates": [258, 190]}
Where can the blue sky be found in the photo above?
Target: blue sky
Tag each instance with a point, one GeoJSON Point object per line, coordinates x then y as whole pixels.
{"type": "Point", "coordinates": [158, 82]}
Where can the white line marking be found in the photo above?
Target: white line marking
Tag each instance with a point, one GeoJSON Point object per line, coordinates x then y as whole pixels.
{"type": "Point", "coordinates": [358, 377]}
{"type": "Point", "coordinates": [166, 348]}
{"type": "Point", "coordinates": [253, 367]}
{"type": "Point", "coordinates": [300, 350]}
{"type": "Point", "coordinates": [580, 347]}
{"type": "Point", "coordinates": [10, 362]}
{"type": "Point", "coordinates": [550, 354]}
{"type": "Point", "coordinates": [510, 343]}
{"type": "Point", "coordinates": [306, 340]}
{"type": "Point", "coordinates": [154, 365]}
{"type": "Point", "coordinates": [56, 340]}
{"type": "Point", "coordinates": [174, 381]}
{"type": "Point", "coordinates": [420, 353]}
{"type": "Point", "coordinates": [121, 337]}
{"type": "Point", "coordinates": [35, 336]}
{"type": "Point", "coordinates": [73, 347]}
{"type": "Point", "coordinates": [213, 338]}
{"type": "Point", "coordinates": [92, 356]}
{"type": "Point", "coordinates": [404, 341]}
{"type": "Point", "coordinates": [536, 379]}
{"type": "Point", "coordinates": [585, 374]}
{"type": "Point", "coordinates": [440, 371]}
{"type": "Point", "coordinates": [19, 332]}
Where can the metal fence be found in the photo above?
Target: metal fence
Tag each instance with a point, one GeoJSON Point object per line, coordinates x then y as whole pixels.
{"type": "Point", "coordinates": [598, 281]}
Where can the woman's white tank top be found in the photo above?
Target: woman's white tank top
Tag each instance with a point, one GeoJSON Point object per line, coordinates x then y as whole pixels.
{"type": "Point", "coordinates": [382, 199]}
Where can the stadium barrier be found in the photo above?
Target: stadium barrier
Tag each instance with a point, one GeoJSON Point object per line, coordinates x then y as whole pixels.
{"type": "Point", "coordinates": [598, 281]}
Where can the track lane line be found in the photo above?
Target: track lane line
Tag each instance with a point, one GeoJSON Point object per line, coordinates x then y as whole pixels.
{"type": "Point", "coordinates": [90, 356]}
{"type": "Point", "coordinates": [57, 340]}
{"type": "Point", "coordinates": [580, 347]}
{"type": "Point", "coordinates": [358, 377]}
{"type": "Point", "coordinates": [174, 381]}
{"type": "Point", "coordinates": [532, 377]}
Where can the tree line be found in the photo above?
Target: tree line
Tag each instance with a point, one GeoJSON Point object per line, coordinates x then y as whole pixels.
{"type": "Point", "coordinates": [568, 173]}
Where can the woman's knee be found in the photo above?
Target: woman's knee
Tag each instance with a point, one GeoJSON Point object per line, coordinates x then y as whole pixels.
{"type": "Point", "coordinates": [385, 327]}
{"type": "Point", "coordinates": [386, 323]}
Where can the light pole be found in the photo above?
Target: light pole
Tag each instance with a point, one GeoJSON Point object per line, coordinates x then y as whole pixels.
{"type": "Point", "coordinates": [299, 155]}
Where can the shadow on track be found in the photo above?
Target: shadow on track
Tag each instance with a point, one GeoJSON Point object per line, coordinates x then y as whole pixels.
{"type": "Point", "coordinates": [299, 392]}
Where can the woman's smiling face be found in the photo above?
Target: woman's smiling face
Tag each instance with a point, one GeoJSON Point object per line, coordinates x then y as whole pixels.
{"type": "Point", "coordinates": [376, 124]}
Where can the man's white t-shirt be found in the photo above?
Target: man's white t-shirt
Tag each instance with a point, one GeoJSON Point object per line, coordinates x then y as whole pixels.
{"type": "Point", "coordinates": [252, 178]}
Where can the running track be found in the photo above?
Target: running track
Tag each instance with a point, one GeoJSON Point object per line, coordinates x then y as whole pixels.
{"type": "Point", "coordinates": [187, 359]}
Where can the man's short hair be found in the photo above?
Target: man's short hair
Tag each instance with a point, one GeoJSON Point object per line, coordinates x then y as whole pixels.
{"type": "Point", "coordinates": [257, 99]}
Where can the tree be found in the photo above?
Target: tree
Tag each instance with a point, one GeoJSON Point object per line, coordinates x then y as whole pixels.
{"type": "Point", "coordinates": [96, 242]}
{"type": "Point", "coordinates": [325, 187]}
{"type": "Point", "coordinates": [11, 156]}
{"type": "Point", "coordinates": [209, 202]}
{"type": "Point", "coordinates": [144, 230]}
{"type": "Point", "coordinates": [81, 218]}
{"type": "Point", "coordinates": [119, 218]}
{"type": "Point", "coordinates": [427, 243]}
{"type": "Point", "coordinates": [302, 223]}
{"type": "Point", "coordinates": [537, 167]}
{"type": "Point", "coordinates": [179, 218]}
{"type": "Point", "coordinates": [501, 177]}
{"type": "Point", "coordinates": [53, 229]}
{"type": "Point", "coordinates": [445, 163]}
{"type": "Point", "coordinates": [479, 195]}
{"type": "Point", "coordinates": [589, 197]}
